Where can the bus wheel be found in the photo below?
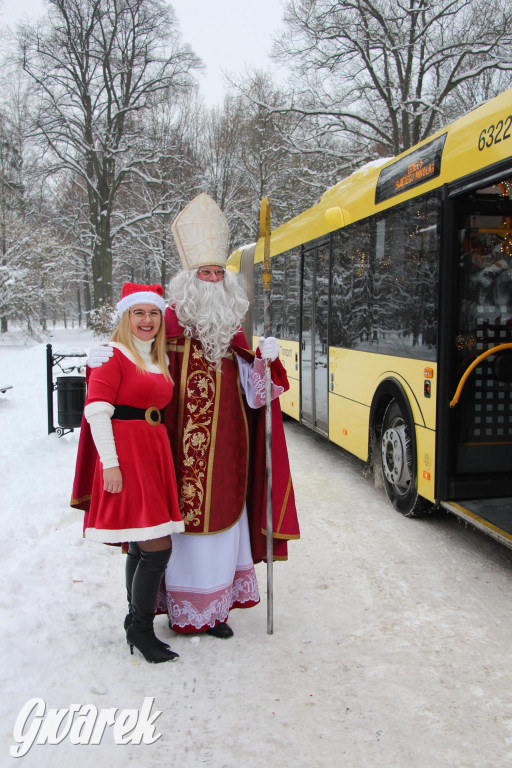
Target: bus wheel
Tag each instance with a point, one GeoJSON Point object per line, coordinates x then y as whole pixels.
{"type": "Point", "coordinates": [398, 454]}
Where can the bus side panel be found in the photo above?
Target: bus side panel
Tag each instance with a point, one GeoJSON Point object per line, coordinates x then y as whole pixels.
{"type": "Point", "coordinates": [289, 356]}
{"type": "Point", "coordinates": [354, 378]}
{"type": "Point", "coordinates": [290, 401]}
{"type": "Point", "coordinates": [355, 375]}
{"type": "Point", "coordinates": [425, 452]}
{"type": "Point", "coordinates": [348, 425]}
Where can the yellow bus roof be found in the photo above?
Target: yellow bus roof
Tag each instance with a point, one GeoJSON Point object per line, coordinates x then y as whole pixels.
{"type": "Point", "coordinates": [472, 143]}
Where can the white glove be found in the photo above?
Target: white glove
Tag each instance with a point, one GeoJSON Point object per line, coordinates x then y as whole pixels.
{"type": "Point", "coordinates": [98, 356]}
{"type": "Point", "coordinates": [269, 348]}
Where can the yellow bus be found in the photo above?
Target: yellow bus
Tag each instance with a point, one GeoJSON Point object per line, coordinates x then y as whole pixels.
{"type": "Point", "coordinates": [392, 301]}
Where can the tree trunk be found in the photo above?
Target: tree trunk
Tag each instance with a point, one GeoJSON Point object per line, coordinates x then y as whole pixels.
{"type": "Point", "coordinates": [102, 264]}
{"type": "Point", "coordinates": [79, 305]}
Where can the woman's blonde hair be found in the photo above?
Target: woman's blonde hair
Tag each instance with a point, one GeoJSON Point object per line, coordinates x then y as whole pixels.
{"type": "Point", "coordinates": [123, 335]}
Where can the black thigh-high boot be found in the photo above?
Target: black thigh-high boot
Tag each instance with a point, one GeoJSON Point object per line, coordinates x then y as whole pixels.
{"type": "Point", "coordinates": [132, 561]}
{"type": "Point", "coordinates": [145, 583]}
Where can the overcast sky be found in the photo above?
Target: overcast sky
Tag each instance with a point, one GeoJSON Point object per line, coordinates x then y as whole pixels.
{"type": "Point", "coordinates": [229, 35]}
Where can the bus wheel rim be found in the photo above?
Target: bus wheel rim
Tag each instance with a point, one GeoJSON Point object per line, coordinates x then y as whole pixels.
{"type": "Point", "coordinates": [395, 463]}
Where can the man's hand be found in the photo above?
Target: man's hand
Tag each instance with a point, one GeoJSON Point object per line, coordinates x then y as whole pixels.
{"type": "Point", "coordinates": [112, 480]}
{"type": "Point", "coordinates": [269, 348]}
{"type": "Point", "coordinates": [98, 356]}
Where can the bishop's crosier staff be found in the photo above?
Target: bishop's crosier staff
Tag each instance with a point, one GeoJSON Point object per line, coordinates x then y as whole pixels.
{"type": "Point", "coordinates": [267, 281]}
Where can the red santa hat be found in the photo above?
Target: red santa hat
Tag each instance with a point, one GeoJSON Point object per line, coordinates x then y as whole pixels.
{"type": "Point", "coordinates": [134, 293]}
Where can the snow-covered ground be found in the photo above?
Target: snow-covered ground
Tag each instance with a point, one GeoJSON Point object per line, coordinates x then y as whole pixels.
{"type": "Point", "coordinates": [392, 637]}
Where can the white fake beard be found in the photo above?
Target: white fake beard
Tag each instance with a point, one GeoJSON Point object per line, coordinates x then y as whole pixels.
{"type": "Point", "coordinates": [209, 312]}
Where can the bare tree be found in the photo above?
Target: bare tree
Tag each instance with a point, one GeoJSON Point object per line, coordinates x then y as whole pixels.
{"type": "Point", "coordinates": [221, 149]}
{"type": "Point", "coordinates": [18, 193]}
{"type": "Point", "coordinates": [256, 148]}
{"type": "Point", "coordinates": [145, 248]}
{"type": "Point", "coordinates": [385, 74]}
{"type": "Point", "coordinates": [98, 67]}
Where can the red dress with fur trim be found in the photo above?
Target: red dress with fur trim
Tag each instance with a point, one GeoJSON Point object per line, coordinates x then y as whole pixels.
{"type": "Point", "coordinates": [147, 507]}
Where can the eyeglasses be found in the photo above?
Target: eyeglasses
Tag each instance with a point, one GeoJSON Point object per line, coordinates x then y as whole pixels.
{"type": "Point", "coordinates": [205, 272]}
{"type": "Point", "coordinates": [140, 314]}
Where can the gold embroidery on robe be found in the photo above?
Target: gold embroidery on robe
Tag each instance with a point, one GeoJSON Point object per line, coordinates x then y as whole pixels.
{"type": "Point", "coordinates": [198, 414]}
{"type": "Point", "coordinates": [212, 480]}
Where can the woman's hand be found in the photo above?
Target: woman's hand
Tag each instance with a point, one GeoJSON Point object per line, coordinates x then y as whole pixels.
{"type": "Point", "coordinates": [112, 480]}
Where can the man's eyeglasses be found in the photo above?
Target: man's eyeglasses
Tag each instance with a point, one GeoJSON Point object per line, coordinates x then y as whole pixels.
{"type": "Point", "coordinates": [206, 273]}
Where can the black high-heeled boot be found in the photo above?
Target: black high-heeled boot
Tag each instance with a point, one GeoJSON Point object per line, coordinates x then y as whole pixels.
{"type": "Point", "coordinates": [145, 583]}
{"type": "Point", "coordinates": [132, 561]}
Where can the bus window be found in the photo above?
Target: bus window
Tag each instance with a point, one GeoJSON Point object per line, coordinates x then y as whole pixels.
{"type": "Point", "coordinates": [350, 306]}
{"type": "Point", "coordinates": [277, 296]}
{"type": "Point", "coordinates": [405, 274]}
{"type": "Point", "coordinates": [291, 296]}
{"type": "Point", "coordinates": [385, 275]}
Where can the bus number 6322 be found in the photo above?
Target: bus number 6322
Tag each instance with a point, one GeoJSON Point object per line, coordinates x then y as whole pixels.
{"type": "Point", "coordinates": [495, 133]}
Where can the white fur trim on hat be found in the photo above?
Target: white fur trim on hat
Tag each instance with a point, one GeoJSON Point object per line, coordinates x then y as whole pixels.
{"type": "Point", "coordinates": [141, 297]}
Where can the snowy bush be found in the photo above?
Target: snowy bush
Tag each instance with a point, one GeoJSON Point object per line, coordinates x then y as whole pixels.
{"type": "Point", "coordinates": [103, 320]}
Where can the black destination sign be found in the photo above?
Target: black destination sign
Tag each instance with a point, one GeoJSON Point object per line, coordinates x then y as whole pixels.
{"type": "Point", "coordinates": [416, 168]}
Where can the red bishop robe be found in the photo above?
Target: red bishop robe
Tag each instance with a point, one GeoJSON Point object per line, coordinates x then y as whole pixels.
{"type": "Point", "coordinates": [218, 445]}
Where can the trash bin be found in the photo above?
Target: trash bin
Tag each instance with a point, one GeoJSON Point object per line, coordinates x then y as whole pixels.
{"type": "Point", "coordinates": [70, 400]}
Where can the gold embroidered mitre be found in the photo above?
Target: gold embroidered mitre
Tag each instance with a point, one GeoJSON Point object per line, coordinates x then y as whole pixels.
{"type": "Point", "coordinates": [201, 233]}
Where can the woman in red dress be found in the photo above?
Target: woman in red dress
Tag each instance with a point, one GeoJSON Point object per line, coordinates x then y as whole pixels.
{"type": "Point", "coordinates": [134, 497]}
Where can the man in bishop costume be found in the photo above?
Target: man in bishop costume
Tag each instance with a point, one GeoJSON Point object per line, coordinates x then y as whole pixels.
{"type": "Point", "coordinates": [216, 426]}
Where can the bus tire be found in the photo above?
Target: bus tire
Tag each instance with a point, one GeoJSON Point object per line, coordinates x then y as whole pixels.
{"type": "Point", "coordinates": [398, 457]}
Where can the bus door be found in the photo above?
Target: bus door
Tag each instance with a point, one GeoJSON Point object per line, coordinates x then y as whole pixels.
{"type": "Point", "coordinates": [314, 342]}
{"type": "Point", "coordinates": [478, 350]}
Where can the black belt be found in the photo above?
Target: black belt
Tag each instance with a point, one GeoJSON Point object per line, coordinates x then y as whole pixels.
{"type": "Point", "coordinates": [152, 415]}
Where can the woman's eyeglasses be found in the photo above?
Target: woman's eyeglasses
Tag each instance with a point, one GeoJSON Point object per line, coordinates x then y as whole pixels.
{"type": "Point", "coordinates": [140, 314]}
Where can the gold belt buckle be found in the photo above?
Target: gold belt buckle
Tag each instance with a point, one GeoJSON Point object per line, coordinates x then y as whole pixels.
{"type": "Point", "coordinates": [153, 416]}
